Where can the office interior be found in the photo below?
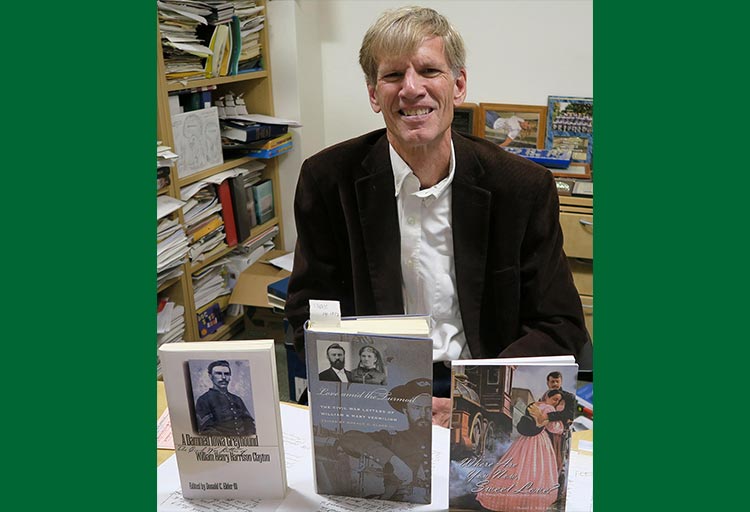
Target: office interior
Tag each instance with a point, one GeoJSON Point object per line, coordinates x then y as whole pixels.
{"type": "Point", "coordinates": [518, 52]}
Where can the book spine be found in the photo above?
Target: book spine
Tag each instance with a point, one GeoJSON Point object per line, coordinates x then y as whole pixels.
{"type": "Point", "coordinates": [227, 212]}
{"type": "Point", "coordinates": [239, 206]}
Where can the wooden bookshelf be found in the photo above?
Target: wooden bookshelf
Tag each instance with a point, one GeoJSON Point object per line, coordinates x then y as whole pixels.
{"type": "Point", "coordinates": [256, 90]}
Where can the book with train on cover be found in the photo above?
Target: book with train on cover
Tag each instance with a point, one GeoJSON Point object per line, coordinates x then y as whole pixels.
{"type": "Point", "coordinates": [370, 396]}
{"type": "Point", "coordinates": [510, 433]}
{"type": "Point", "coordinates": [223, 402]}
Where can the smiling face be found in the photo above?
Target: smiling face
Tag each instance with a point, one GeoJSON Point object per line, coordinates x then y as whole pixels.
{"type": "Point", "coordinates": [416, 94]}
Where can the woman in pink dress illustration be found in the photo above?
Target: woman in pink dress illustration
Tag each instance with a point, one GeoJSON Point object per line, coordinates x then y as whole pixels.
{"type": "Point", "coordinates": [526, 476]}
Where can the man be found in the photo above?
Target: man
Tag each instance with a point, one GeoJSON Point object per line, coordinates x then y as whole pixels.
{"type": "Point", "coordinates": [404, 456]}
{"type": "Point", "coordinates": [220, 412]}
{"type": "Point", "coordinates": [565, 412]}
{"type": "Point", "coordinates": [337, 372]}
{"type": "Point", "coordinates": [417, 219]}
{"type": "Point", "coordinates": [511, 126]}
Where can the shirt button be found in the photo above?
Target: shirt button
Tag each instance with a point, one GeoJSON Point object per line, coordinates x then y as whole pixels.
{"type": "Point", "coordinates": [410, 221]}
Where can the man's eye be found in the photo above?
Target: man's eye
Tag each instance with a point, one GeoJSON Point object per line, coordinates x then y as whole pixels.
{"type": "Point", "coordinates": [391, 76]}
{"type": "Point", "coordinates": [431, 72]}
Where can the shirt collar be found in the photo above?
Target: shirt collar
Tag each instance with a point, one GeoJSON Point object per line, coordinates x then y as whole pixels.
{"type": "Point", "coordinates": [401, 171]}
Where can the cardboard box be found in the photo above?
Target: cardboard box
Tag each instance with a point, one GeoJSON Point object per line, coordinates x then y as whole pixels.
{"type": "Point", "coordinates": [252, 284]}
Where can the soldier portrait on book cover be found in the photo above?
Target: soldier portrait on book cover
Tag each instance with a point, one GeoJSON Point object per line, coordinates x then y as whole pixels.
{"type": "Point", "coordinates": [222, 397]}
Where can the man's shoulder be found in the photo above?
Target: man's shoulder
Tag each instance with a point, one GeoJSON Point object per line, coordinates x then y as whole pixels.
{"type": "Point", "coordinates": [355, 149]}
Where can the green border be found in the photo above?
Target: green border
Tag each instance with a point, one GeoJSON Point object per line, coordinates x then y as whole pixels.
{"type": "Point", "coordinates": [671, 278]}
{"type": "Point", "coordinates": [79, 204]}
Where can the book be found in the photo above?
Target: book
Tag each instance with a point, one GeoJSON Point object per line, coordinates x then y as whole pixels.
{"type": "Point", "coordinates": [277, 292]}
{"type": "Point", "coordinates": [223, 402]}
{"type": "Point", "coordinates": [272, 143]}
{"type": "Point", "coordinates": [205, 227]}
{"type": "Point", "coordinates": [239, 202]}
{"type": "Point", "coordinates": [510, 433]}
{"type": "Point", "coordinates": [251, 132]}
{"type": "Point", "coordinates": [372, 435]}
{"type": "Point", "coordinates": [227, 212]}
{"type": "Point", "coordinates": [270, 153]}
{"type": "Point", "coordinates": [263, 197]}
{"type": "Point", "coordinates": [209, 320]}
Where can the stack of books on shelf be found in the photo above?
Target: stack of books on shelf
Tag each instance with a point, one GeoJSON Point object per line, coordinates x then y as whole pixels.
{"type": "Point", "coordinates": [204, 224]}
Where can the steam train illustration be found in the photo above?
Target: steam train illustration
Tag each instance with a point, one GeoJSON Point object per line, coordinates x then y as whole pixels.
{"type": "Point", "coordinates": [484, 407]}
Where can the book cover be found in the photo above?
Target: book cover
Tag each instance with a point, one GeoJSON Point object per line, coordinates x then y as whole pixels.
{"type": "Point", "coordinates": [263, 197]}
{"type": "Point", "coordinates": [270, 153]}
{"type": "Point", "coordinates": [227, 212]}
{"type": "Point", "coordinates": [372, 435]}
{"type": "Point", "coordinates": [209, 320]}
{"type": "Point", "coordinates": [510, 433]}
{"type": "Point", "coordinates": [223, 402]}
{"type": "Point", "coordinates": [272, 143]}
{"type": "Point", "coordinates": [239, 201]}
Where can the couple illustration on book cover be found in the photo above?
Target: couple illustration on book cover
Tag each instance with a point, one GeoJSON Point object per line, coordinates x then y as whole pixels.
{"type": "Point", "coordinates": [529, 476]}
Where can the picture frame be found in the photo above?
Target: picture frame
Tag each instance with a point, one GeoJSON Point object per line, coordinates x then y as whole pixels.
{"type": "Point", "coordinates": [466, 119]}
{"type": "Point", "coordinates": [570, 126]}
{"type": "Point", "coordinates": [578, 170]}
{"type": "Point", "coordinates": [512, 132]}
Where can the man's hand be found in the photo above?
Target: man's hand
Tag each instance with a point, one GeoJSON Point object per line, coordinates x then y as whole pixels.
{"type": "Point", "coordinates": [401, 470]}
{"type": "Point", "coordinates": [441, 412]}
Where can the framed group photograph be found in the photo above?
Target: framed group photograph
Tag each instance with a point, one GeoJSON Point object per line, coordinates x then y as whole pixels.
{"type": "Point", "coordinates": [516, 126]}
{"type": "Point", "coordinates": [466, 119]}
{"type": "Point", "coordinates": [570, 126]}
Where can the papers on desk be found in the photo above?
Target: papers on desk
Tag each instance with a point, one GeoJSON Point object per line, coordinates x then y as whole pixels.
{"type": "Point", "coordinates": [295, 424]}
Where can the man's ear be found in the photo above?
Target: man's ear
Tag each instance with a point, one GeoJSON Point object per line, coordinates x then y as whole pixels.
{"type": "Point", "coordinates": [373, 100]}
{"type": "Point", "coordinates": [459, 88]}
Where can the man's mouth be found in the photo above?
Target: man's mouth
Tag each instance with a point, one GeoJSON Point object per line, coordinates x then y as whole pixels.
{"type": "Point", "coordinates": [415, 111]}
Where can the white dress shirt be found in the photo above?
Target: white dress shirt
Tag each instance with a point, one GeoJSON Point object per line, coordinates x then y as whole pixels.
{"type": "Point", "coordinates": [428, 276]}
{"type": "Point", "coordinates": [341, 373]}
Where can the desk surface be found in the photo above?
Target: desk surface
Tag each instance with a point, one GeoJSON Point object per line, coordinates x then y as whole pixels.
{"type": "Point", "coordinates": [297, 447]}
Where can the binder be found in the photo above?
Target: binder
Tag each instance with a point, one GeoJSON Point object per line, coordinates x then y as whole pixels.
{"type": "Point", "coordinates": [239, 202]}
{"type": "Point", "coordinates": [227, 212]}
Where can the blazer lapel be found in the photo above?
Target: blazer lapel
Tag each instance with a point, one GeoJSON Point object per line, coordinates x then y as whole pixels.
{"type": "Point", "coordinates": [380, 230]}
{"type": "Point", "coordinates": [470, 222]}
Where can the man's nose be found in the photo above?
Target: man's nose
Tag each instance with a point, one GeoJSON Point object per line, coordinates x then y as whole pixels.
{"type": "Point", "coordinates": [413, 85]}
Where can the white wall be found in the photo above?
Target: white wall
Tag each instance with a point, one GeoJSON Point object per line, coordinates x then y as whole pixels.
{"type": "Point", "coordinates": [518, 51]}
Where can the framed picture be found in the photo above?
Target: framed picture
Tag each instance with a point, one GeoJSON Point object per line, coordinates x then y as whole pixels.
{"type": "Point", "coordinates": [570, 126]}
{"type": "Point", "coordinates": [574, 170]}
{"type": "Point", "coordinates": [466, 119]}
{"type": "Point", "coordinates": [515, 126]}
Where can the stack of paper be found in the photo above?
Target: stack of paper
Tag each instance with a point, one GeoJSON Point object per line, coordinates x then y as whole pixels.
{"type": "Point", "coordinates": [210, 283]}
{"type": "Point", "coordinates": [171, 240]}
{"type": "Point", "coordinates": [184, 52]}
{"type": "Point", "coordinates": [170, 326]}
{"type": "Point", "coordinates": [203, 222]}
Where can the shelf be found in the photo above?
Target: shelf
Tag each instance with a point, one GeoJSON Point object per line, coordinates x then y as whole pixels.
{"type": "Point", "coordinates": [242, 77]}
{"type": "Point", "coordinates": [162, 191]}
{"type": "Point", "coordinates": [169, 283]}
{"type": "Point", "coordinates": [229, 164]}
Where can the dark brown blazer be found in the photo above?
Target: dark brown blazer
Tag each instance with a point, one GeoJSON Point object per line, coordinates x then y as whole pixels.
{"type": "Point", "coordinates": [515, 290]}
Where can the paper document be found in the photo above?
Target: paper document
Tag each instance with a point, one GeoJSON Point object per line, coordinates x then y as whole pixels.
{"type": "Point", "coordinates": [285, 261]}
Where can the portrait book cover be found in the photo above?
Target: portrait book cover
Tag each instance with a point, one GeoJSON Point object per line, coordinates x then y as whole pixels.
{"type": "Point", "coordinates": [223, 403]}
{"type": "Point", "coordinates": [370, 397]}
{"type": "Point", "coordinates": [510, 433]}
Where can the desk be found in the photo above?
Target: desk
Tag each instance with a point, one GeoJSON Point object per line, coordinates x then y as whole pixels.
{"type": "Point", "coordinates": [301, 495]}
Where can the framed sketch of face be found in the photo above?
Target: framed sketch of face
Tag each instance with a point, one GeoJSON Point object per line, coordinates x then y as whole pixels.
{"type": "Point", "coordinates": [517, 126]}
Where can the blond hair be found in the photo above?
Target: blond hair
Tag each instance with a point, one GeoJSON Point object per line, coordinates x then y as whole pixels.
{"type": "Point", "coordinates": [401, 31]}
